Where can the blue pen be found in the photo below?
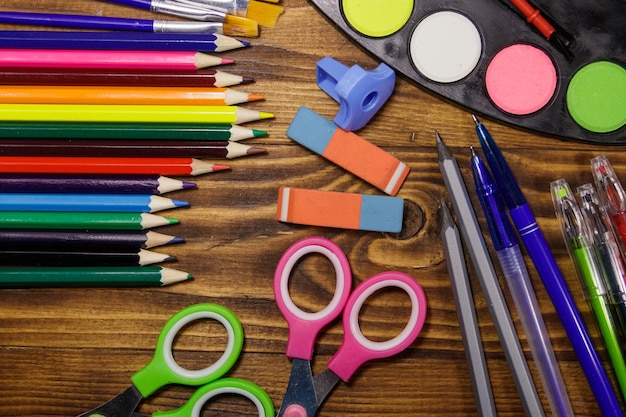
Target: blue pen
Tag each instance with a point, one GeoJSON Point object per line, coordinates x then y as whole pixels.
{"type": "Point", "coordinates": [510, 257]}
{"type": "Point", "coordinates": [115, 203]}
{"type": "Point", "coordinates": [553, 280]}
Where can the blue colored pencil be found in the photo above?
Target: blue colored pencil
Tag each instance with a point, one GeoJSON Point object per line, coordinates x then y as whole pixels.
{"type": "Point", "coordinates": [145, 41]}
{"type": "Point", "coordinates": [97, 203]}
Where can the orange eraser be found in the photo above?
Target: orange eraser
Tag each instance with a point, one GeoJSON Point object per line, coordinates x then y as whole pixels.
{"type": "Point", "coordinates": [342, 210]}
{"type": "Point", "coordinates": [348, 150]}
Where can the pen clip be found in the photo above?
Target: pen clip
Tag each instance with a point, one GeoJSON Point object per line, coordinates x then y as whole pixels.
{"type": "Point", "coordinates": [567, 210]}
{"type": "Point", "coordinates": [610, 186]}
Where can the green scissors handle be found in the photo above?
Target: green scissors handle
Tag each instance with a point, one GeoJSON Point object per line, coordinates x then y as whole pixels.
{"type": "Point", "coordinates": [236, 386]}
{"type": "Point", "coordinates": [163, 369]}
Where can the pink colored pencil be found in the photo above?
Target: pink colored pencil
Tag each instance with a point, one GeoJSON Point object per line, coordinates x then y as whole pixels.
{"type": "Point", "coordinates": [123, 59]}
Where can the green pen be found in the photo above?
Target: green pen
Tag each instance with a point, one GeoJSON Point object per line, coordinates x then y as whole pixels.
{"type": "Point", "coordinates": [576, 237]}
{"type": "Point", "coordinates": [81, 220]}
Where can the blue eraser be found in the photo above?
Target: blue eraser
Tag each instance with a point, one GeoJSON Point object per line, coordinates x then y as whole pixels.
{"type": "Point", "coordinates": [311, 130]}
{"type": "Point", "coordinates": [382, 213]}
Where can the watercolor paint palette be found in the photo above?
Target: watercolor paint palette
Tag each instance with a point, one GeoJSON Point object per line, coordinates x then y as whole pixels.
{"type": "Point", "coordinates": [484, 56]}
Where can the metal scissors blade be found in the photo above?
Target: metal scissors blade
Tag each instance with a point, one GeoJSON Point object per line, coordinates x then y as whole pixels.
{"type": "Point", "coordinates": [306, 392]}
{"type": "Point", "coordinates": [122, 405]}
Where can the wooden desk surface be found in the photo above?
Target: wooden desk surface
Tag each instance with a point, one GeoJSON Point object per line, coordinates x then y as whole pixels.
{"type": "Point", "coordinates": [63, 351]}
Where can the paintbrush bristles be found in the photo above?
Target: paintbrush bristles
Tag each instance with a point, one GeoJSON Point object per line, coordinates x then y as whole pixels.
{"type": "Point", "coordinates": [266, 14]}
{"type": "Point", "coordinates": [241, 26]}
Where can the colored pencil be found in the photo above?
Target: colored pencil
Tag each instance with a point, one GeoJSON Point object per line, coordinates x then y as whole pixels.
{"type": "Point", "coordinates": [83, 241]}
{"type": "Point", "coordinates": [95, 165]}
{"type": "Point", "coordinates": [85, 58]}
{"type": "Point", "coordinates": [55, 258]}
{"type": "Point", "coordinates": [120, 77]}
{"type": "Point", "coordinates": [230, 27]}
{"type": "Point", "coordinates": [91, 184]}
{"type": "Point", "coordinates": [129, 113]}
{"type": "Point", "coordinates": [121, 130]}
{"type": "Point", "coordinates": [129, 276]}
{"type": "Point", "coordinates": [118, 41]}
{"type": "Point", "coordinates": [130, 148]}
{"type": "Point", "coordinates": [49, 94]}
{"type": "Point", "coordinates": [81, 221]}
{"type": "Point", "coordinates": [111, 203]}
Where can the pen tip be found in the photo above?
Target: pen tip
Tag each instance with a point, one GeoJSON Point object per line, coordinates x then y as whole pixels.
{"type": "Point", "coordinates": [437, 136]}
{"type": "Point", "coordinates": [475, 119]}
{"type": "Point", "coordinates": [473, 152]}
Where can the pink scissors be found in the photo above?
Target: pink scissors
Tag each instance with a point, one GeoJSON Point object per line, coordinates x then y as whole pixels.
{"type": "Point", "coordinates": [305, 392]}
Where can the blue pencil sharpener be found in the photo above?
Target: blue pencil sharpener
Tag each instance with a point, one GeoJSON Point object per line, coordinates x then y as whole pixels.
{"type": "Point", "coordinates": [360, 93]}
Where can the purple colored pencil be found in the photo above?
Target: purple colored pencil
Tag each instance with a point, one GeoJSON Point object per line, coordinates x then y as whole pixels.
{"type": "Point", "coordinates": [90, 184]}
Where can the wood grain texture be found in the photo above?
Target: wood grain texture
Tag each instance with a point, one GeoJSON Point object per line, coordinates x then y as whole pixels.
{"type": "Point", "coordinates": [63, 351]}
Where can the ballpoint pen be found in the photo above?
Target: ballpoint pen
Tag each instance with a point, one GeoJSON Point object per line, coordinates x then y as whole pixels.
{"type": "Point", "coordinates": [509, 254]}
{"type": "Point", "coordinates": [607, 252]}
{"type": "Point", "coordinates": [576, 237]}
{"type": "Point", "coordinates": [612, 196]}
{"type": "Point", "coordinates": [488, 280]}
{"type": "Point", "coordinates": [535, 243]}
{"type": "Point", "coordinates": [466, 312]}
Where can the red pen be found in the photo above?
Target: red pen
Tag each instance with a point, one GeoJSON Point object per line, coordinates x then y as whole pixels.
{"type": "Point", "coordinates": [612, 196]}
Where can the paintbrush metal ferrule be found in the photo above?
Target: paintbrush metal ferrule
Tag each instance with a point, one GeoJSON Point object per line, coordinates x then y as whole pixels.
{"type": "Point", "coordinates": [170, 26]}
{"type": "Point", "coordinates": [234, 7]}
{"type": "Point", "coordinates": [187, 10]}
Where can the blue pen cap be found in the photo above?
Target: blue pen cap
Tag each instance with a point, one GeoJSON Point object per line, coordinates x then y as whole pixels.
{"type": "Point", "coordinates": [502, 233]}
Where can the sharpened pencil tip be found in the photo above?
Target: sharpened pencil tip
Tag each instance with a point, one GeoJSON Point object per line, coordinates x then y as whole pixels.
{"type": "Point", "coordinates": [246, 80]}
{"type": "Point", "coordinates": [177, 239]}
{"type": "Point", "coordinates": [258, 133]}
{"type": "Point", "coordinates": [171, 220]}
{"type": "Point", "coordinates": [254, 150]}
{"type": "Point", "coordinates": [265, 115]}
{"type": "Point", "coordinates": [187, 185]}
{"type": "Point", "coordinates": [180, 203]}
{"type": "Point", "coordinates": [220, 167]}
{"type": "Point", "coordinates": [255, 97]}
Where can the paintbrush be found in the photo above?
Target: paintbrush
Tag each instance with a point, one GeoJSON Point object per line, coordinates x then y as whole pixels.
{"type": "Point", "coordinates": [550, 30]}
{"type": "Point", "coordinates": [232, 25]}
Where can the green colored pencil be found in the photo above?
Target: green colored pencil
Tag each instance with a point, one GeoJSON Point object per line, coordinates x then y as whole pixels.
{"type": "Point", "coordinates": [121, 130]}
{"type": "Point", "coordinates": [81, 220]}
{"type": "Point", "coordinates": [132, 276]}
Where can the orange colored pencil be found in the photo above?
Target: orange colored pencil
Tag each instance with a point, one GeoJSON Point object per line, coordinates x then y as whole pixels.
{"type": "Point", "coordinates": [50, 94]}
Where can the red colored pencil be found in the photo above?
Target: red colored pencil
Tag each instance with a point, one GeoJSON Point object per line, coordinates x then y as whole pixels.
{"type": "Point", "coordinates": [103, 165]}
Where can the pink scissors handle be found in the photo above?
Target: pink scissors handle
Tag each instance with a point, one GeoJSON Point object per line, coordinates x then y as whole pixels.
{"type": "Point", "coordinates": [356, 349]}
{"type": "Point", "coordinates": [304, 326]}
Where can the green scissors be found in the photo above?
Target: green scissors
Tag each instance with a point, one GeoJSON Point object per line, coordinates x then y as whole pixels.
{"type": "Point", "coordinates": [164, 370]}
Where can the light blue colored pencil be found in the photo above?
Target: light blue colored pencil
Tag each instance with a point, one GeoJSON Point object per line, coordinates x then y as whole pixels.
{"type": "Point", "coordinates": [113, 203]}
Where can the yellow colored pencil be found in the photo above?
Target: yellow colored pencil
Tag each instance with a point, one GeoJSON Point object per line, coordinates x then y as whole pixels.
{"type": "Point", "coordinates": [129, 113]}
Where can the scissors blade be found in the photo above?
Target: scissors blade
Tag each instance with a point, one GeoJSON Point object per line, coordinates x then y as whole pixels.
{"type": "Point", "coordinates": [123, 405]}
{"type": "Point", "coordinates": [324, 384]}
{"type": "Point", "coordinates": [300, 390]}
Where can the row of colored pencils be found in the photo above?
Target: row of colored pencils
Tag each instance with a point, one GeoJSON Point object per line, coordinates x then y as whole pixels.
{"type": "Point", "coordinates": [93, 132]}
